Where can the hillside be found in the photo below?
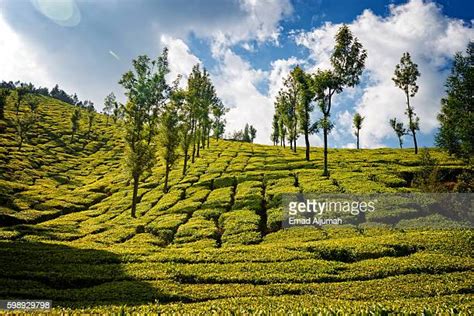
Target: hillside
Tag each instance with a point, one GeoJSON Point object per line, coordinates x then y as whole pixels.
{"type": "Point", "coordinates": [215, 241]}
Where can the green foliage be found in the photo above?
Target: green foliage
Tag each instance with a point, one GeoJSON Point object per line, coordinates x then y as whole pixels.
{"type": "Point", "coordinates": [405, 76]}
{"type": "Point", "coordinates": [146, 90]}
{"type": "Point", "coordinates": [457, 115]}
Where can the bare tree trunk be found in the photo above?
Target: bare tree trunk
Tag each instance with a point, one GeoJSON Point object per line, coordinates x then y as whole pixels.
{"type": "Point", "coordinates": [410, 118]}
{"type": "Point", "coordinates": [134, 197]}
{"type": "Point", "coordinates": [306, 140]}
{"type": "Point", "coordinates": [193, 135]}
{"type": "Point", "coordinates": [167, 171]}
{"type": "Point", "coordinates": [357, 138]}
{"type": "Point", "coordinates": [185, 164]}
{"type": "Point", "coordinates": [414, 141]}
{"type": "Point", "coordinates": [326, 171]}
{"type": "Point", "coordinates": [199, 143]}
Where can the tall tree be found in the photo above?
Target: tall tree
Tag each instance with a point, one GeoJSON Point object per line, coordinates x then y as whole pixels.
{"type": "Point", "coordinates": [304, 105]}
{"type": "Point", "coordinates": [282, 131]}
{"type": "Point", "coordinates": [456, 133]}
{"type": "Point", "coordinates": [405, 76]}
{"type": "Point", "coordinates": [246, 134]}
{"type": "Point", "coordinates": [90, 116]}
{"type": "Point", "coordinates": [194, 99]}
{"type": "Point", "coordinates": [253, 133]}
{"type": "Point", "coordinates": [24, 122]}
{"type": "Point", "coordinates": [357, 121]}
{"type": "Point", "coordinates": [288, 102]}
{"type": "Point", "coordinates": [275, 130]}
{"type": "Point", "coordinates": [399, 130]}
{"type": "Point", "coordinates": [348, 61]}
{"type": "Point", "coordinates": [168, 138]}
{"type": "Point", "coordinates": [218, 122]}
{"type": "Point", "coordinates": [75, 122]}
{"type": "Point", "coordinates": [118, 111]}
{"type": "Point", "coordinates": [146, 90]}
{"type": "Point", "coordinates": [3, 102]}
{"type": "Point", "coordinates": [109, 103]}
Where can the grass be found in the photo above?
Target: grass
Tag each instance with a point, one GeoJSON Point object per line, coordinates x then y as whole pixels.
{"type": "Point", "coordinates": [214, 242]}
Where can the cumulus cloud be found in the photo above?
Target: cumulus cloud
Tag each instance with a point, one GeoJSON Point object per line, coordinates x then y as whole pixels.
{"type": "Point", "coordinates": [79, 58]}
{"type": "Point", "coordinates": [180, 58]}
{"type": "Point", "coordinates": [417, 27]}
{"type": "Point", "coordinates": [18, 60]}
{"type": "Point", "coordinates": [236, 84]}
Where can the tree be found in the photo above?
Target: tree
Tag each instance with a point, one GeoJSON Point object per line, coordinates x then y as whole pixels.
{"type": "Point", "coordinates": [275, 130]}
{"type": "Point", "coordinates": [405, 76]}
{"type": "Point", "coordinates": [118, 111]}
{"type": "Point", "coordinates": [109, 104]}
{"type": "Point", "coordinates": [246, 133]}
{"type": "Point", "coordinates": [357, 121]}
{"type": "Point", "coordinates": [23, 125]}
{"type": "Point", "coordinates": [75, 122]}
{"type": "Point", "coordinates": [399, 130]}
{"type": "Point", "coordinates": [304, 105]}
{"type": "Point", "coordinates": [347, 60]}
{"type": "Point", "coordinates": [218, 124]}
{"type": "Point", "coordinates": [253, 133]}
{"type": "Point", "coordinates": [168, 138]}
{"type": "Point", "coordinates": [285, 105]}
{"type": "Point", "coordinates": [193, 99]}
{"type": "Point", "coordinates": [3, 102]}
{"type": "Point", "coordinates": [146, 90]}
{"type": "Point", "coordinates": [282, 131]}
{"type": "Point", "coordinates": [457, 108]}
{"type": "Point", "coordinates": [90, 117]}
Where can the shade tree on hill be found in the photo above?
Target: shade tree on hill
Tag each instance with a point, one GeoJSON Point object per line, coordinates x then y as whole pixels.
{"type": "Point", "coordinates": [75, 122]}
{"type": "Point", "coordinates": [168, 136]}
{"type": "Point", "coordinates": [90, 110]}
{"type": "Point", "coordinates": [399, 130]}
{"type": "Point", "coordinates": [295, 102]}
{"type": "Point", "coordinates": [456, 133]}
{"type": "Point", "coordinates": [146, 90]}
{"type": "Point", "coordinates": [247, 134]}
{"type": "Point", "coordinates": [357, 121]}
{"type": "Point", "coordinates": [23, 124]}
{"type": "Point", "coordinates": [348, 62]}
{"type": "Point", "coordinates": [405, 76]}
{"type": "Point", "coordinates": [286, 107]}
{"type": "Point", "coordinates": [304, 106]}
{"type": "Point", "coordinates": [109, 103]}
{"type": "Point", "coordinates": [3, 101]}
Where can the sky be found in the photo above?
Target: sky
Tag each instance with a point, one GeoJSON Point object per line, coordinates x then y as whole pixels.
{"type": "Point", "coordinates": [248, 46]}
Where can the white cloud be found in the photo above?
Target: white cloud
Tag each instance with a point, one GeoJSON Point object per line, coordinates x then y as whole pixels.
{"type": "Point", "coordinates": [18, 59]}
{"type": "Point", "coordinates": [236, 84]}
{"type": "Point", "coordinates": [280, 70]}
{"type": "Point", "coordinates": [260, 23]}
{"type": "Point", "coordinates": [180, 58]}
{"type": "Point", "coordinates": [417, 27]}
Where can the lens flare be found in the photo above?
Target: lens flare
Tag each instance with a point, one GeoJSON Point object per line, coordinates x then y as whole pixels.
{"type": "Point", "coordinates": [62, 12]}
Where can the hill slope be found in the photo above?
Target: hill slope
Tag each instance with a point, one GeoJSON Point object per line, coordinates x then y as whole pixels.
{"type": "Point", "coordinates": [216, 235]}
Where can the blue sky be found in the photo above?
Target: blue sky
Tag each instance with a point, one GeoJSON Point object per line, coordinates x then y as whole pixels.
{"type": "Point", "coordinates": [248, 46]}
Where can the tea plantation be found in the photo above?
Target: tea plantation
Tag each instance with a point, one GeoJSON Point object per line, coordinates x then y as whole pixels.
{"type": "Point", "coordinates": [214, 244]}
